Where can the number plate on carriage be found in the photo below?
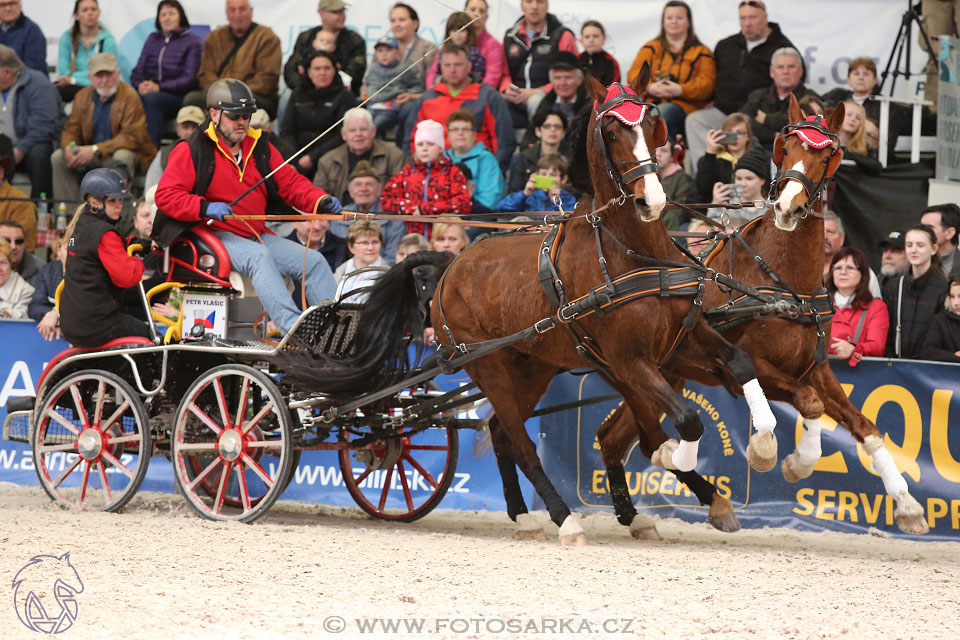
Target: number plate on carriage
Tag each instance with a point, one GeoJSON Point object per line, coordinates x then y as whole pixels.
{"type": "Point", "coordinates": [207, 309]}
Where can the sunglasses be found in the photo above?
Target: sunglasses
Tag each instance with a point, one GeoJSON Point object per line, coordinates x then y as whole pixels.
{"type": "Point", "coordinates": [754, 4]}
{"type": "Point", "coordinates": [17, 241]}
{"type": "Point", "coordinates": [236, 116]}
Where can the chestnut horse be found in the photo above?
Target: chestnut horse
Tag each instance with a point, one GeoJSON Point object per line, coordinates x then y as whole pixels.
{"type": "Point", "coordinates": [790, 238]}
{"type": "Point", "coordinates": [494, 289]}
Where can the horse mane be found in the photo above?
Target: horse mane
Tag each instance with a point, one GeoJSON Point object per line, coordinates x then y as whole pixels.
{"type": "Point", "coordinates": [579, 171]}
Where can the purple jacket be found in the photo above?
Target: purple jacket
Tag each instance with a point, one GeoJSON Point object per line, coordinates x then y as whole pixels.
{"type": "Point", "coordinates": [172, 61]}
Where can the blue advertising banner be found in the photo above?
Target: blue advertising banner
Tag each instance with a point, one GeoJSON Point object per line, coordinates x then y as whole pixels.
{"type": "Point", "coordinates": [910, 402]}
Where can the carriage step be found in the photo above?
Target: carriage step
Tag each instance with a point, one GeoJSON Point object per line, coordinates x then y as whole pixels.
{"type": "Point", "coordinates": [23, 403]}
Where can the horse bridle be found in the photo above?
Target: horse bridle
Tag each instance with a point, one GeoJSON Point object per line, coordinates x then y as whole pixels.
{"type": "Point", "coordinates": [813, 191]}
{"type": "Point", "coordinates": [642, 168]}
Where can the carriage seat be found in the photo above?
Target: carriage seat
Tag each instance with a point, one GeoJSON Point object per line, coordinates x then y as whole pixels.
{"type": "Point", "coordinates": [198, 256]}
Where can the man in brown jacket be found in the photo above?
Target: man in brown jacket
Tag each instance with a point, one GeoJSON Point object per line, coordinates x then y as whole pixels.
{"type": "Point", "coordinates": [107, 122]}
{"type": "Point", "coordinates": [14, 204]}
{"type": "Point", "coordinates": [244, 50]}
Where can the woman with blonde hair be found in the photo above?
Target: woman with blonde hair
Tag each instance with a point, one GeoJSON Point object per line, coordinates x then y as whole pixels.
{"type": "Point", "coordinates": [449, 237]}
{"type": "Point", "coordinates": [720, 161]}
{"type": "Point", "coordinates": [853, 132]}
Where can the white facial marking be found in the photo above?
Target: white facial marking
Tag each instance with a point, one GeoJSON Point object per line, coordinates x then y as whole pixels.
{"type": "Point", "coordinates": [653, 190]}
{"type": "Point", "coordinates": [791, 190]}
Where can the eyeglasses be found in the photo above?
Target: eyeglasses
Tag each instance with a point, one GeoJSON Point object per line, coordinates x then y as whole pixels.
{"type": "Point", "coordinates": [551, 126]}
{"type": "Point", "coordinates": [840, 268]}
{"type": "Point", "coordinates": [367, 243]}
{"type": "Point", "coordinates": [16, 241]}
{"type": "Point", "coordinates": [237, 116]}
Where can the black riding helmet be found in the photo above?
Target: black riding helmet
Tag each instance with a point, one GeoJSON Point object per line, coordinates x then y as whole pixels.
{"type": "Point", "coordinates": [104, 183]}
{"type": "Point", "coordinates": [231, 96]}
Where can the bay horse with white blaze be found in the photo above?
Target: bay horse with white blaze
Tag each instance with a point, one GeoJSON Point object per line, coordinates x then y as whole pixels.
{"type": "Point", "coordinates": [788, 354]}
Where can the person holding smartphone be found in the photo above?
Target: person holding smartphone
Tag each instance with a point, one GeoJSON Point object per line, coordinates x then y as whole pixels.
{"type": "Point", "coordinates": [751, 183]}
{"type": "Point", "coordinates": [542, 188]}
{"type": "Point", "coordinates": [725, 146]}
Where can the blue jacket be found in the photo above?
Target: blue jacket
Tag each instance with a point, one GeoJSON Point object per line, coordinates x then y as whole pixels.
{"type": "Point", "coordinates": [488, 181]}
{"type": "Point", "coordinates": [38, 111]}
{"type": "Point", "coordinates": [104, 43]}
{"type": "Point", "coordinates": [536, 201]}
{"type": "Point", "coordinates": [28, 41]}
{"type": "Point", "coordinates": [45, 283]}
{"type": "Point", "coordinates": [171, 60]}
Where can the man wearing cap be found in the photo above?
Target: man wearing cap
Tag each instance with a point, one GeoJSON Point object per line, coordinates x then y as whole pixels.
{"type": "Point", "coordinates": [743, 65]}
{"type": "Point", "coordinates": [107, 122]}
{"type": "Point", "coordinates": [945, 221]}
{"type": "Point", "coordinates": [363, 196]}
{"type": "Point", "coordinates": [769, 107]}
{"type": "Point", "coordinates": [13, 202]}
{"type": "Point", "coordinates": [243, 50]}
{"type": "Point", "coordinates": [351, 53]}
{"type": "Point", "coordinates": [231, 158]}
{"type": "Point", "coordinates": [457, 91]}
{"type": "Point", "coordinates": [893, 257]}
{"type": "Point", "coordinates": [188, 119]}
{"type": "Point", "coordinates": [23, 35]}
{"type": "Point", "coordinates": [567, 95]}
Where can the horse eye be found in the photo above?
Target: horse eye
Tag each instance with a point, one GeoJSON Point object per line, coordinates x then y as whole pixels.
{"type": "Point", "coordinates": [612, 135]}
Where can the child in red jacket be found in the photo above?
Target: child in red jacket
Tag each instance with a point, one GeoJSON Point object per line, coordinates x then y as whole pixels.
{"type": "Point", "coordinates": [430, 185]}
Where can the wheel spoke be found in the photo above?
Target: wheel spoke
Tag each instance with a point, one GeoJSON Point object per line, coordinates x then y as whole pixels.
{"type": "Point", "coordinates": [78, 406]}
{"type": "Point", "coordinates": [116, 414]}
{"type": "Point", "coordinates": [67, 471]}
{"type": "Point", "coordinates": [266, 444]}
{"type": "Point", "coordinates": [133, 437]}
{"type": "Point", "coordinates": [83, 483]}
{"type": "Point", "coordinates": [119, 465]}
{"type": "Point", "coordinates": [52, 413]}
{"type": "Point", "coordinates": [218, 505]}
{"type": "Point", "coordinates": [242, 405]}
{"type": "Point", "coordinates": [222, 402]}
{"type": "Point", "coordinates": [386, 489]}
{"type": "Point", "coordinates": [198, 446]}
{"type": "Point", "coordinates": [423, 472]}
{"type": "Point", "coordinates": [257, 469]}
{"type": "Point", "coordinates": [203, 474]}
{"type": "Point", "coordinates": [242, 488]}
{"type": "Point", "coordinates": [59, 447]}
{"type": "Point", "coordinates": [362, 476]}
{"type": "Point", "coordinates": [205, 419]}
{"type": "Point", "coordinates": [105, 482]}
{"type": "Point", "coordinates": [406, 488]}
{"type": "Point", "coordinates": [98, 411]}
{"type": "Point", "coordinates": [267, 408]}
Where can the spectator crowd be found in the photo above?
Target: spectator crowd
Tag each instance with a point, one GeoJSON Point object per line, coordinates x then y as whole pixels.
{"type": "Point", "coordinates": [477, 125]}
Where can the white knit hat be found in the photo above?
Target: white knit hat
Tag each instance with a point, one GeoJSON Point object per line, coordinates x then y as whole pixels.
{"type": "Point", "coordinates": [429, 131]}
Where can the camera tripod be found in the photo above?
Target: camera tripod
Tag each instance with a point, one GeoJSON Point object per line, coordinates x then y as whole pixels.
{"type": "Point", "coordinates": [902, 46]}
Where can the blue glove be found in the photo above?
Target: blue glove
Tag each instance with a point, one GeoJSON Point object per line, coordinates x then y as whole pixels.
{"type": "Point", "coordinates": [217, 211]}
{"type": "Point", "coordinates": [329, 204]}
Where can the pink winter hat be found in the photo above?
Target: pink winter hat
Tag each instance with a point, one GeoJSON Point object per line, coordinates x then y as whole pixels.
{"type": "Point", "coordinates": [429, 131]}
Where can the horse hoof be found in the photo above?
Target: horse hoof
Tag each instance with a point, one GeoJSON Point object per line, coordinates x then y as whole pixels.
{"type": "Point", "coordinates": [909, 514]}
{"type": "Point", "coordinates": [571, 533]}
{"type": "Point", "coordinates": [722, 516]}
{"type": "Point", "coordinates": [528, 529]}
{"type": "Point", "coordinates": [762, 452]}
{"type": "Point", "coordinates": [644, 528]}
{"type": "Point", "coordinates": [663, 456]}
{"type": "Point", "coordinates": [794, 470]}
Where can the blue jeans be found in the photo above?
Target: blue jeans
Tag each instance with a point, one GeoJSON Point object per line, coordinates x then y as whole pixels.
{"type": "Point", "coordinates": [159, 107]}
{"type": "Point", "coordinates": [673, 116]}
{"type": "Point", "coordinates": [266, 264]}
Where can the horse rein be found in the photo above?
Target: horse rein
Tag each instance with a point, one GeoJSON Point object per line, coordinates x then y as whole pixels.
{"type": "Point", "coordinates": [814, 191]}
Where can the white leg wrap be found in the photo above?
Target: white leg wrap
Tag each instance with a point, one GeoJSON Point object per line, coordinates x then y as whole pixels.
{"type": "Point", "coordinates": [808, 449]}
{"type": "Point", "coordinates": [685, 457]}
{"type": "Point", "coordinates": [883, 464]}
{"type": "Point", "coordinates": [763, 418]}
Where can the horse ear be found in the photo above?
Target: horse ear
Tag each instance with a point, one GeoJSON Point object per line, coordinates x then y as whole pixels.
{"type": "Point", "coordinates": [795, 112]}
{"type": "Point", "coordinates": [659, 132]}
{"type": "Point", "coordinates": [778, 151]}
{"type": "Point", "coordinates": [835, 121]}
{"type": "Point", "coordinates": [642, 79]}
{"type": "Point", "coordinates": [595, 88]}
{"type": "Point", "coordinates": [834, 163]}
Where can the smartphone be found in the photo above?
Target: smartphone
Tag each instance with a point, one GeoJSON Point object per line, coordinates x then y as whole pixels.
{"type": "Point", "coordinates": [736, 190]}
{"type": "Point", "coordinates": [729, 137]}
{"type": "Point", "coordinates": [543, 182]}
{"type": "Point", "coordinates": [514, 88]}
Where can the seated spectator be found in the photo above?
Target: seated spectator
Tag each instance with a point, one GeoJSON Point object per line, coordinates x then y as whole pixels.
{"type": "Point", "coordinates": [23, 35]}
{"type": "Point", "coordinates": [811, 105]}
{"type": "Point", "coordinates": [188, 119]}
{"type": "Point", "coordinates": [751, 183]}
{"type": "Point", "coordinates": [490, 47]}
{"type": "Point", "coordinates": [107, 122]}
{"type": "Point", "coordinates": [594, 60]}
{"type": "Point", "coordinates": [942, 342]}
{"type": "Point", "coordinates": [542, 188]}
{"type": "Point", "coordinates": [768, 107]}
{"type": "Point", "coordinates": [529, 47]}
{"type": "Point", "coordinates": [834, 238]}
{"type": "Point", "coordinates": [893, 258]}
{"type": "Point", "coordinates": [242, 50]}
{"type": "Point", "coordinates": [872, 135]}
{"type": "Point", "coordinates": [697, 244]}
{"type": "Point", "coordinates": [13, 202]}
{"type": "Point", "coordinates": [21, 261]}
{"type": "Point", "coordinates": [449, 237]}
{"type": "Point", "coordinates": [944, 219]}
{"type": "Point", "coordinates": [861, 322]}
{"type": "Point", "coordinates": [87, 37]}
{"type": "Point", "coordinates": [550, 128]}
{"type": "Point", "coordinates": [431, 184]}
{"type": "Point", "coordinates": [677, 183]}
{"type": "Point", "coordinates": [484, 169]}
{"type": "Point", "coordinates": [316, 235]}
{"type": "Point", "coordinates": [167, 68]}
{"type": "Point", "coordinates": [317, 104]}
{"type": "Point", "coordinates": [414, 50]}
{"type": "Point", "coordinates": [683, 70]}
{"type": "Point", "coordinates": [456, 91]}
{"type": "Point", "coordinates": [568, 94]}
{"type": "Point", "coordinates": [720, 160]}
{"type": "Point", "coordinates": [916, 297]}
{"type": "Point", "coordinates": [363, 196]}
{"type": "Point", "coordinates": [349, 49]}
{"type": "Point", "coordinates": [15, 292]}
{"type": "Point", "coordinates": [411, 243]}
{"type": "Point", "coordinates": [360, 143]}
{"type": "Point", "coordinates": [363, 241]}
{"type": "Point", "coordinates": [463, 37]}
{"type": "Point", "coordinates": [862, 79]}
{"type": "Point", "coordinates": [383, 83]}
{"type": "Point", "coordinates": [475, 207]}
{"type": "Point", "coordinates": [34, 114]}
{"type": "Point", "coordinates": [853, 139]}
{"type": "Point", "coordinates": [42, 308]}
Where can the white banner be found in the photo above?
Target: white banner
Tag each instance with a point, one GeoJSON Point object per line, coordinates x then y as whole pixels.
{"type": "Point", "coordinates": [828, 33]}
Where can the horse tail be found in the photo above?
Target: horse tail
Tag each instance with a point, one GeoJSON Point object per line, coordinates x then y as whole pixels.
{"type": "Point", "coordinates": [394, 315]}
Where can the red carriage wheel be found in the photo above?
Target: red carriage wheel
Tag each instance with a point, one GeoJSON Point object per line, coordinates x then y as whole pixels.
{"type": "Point", "coordinates": [402, 479]}
{"type": "Point", "coordinates": [91, 442]}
